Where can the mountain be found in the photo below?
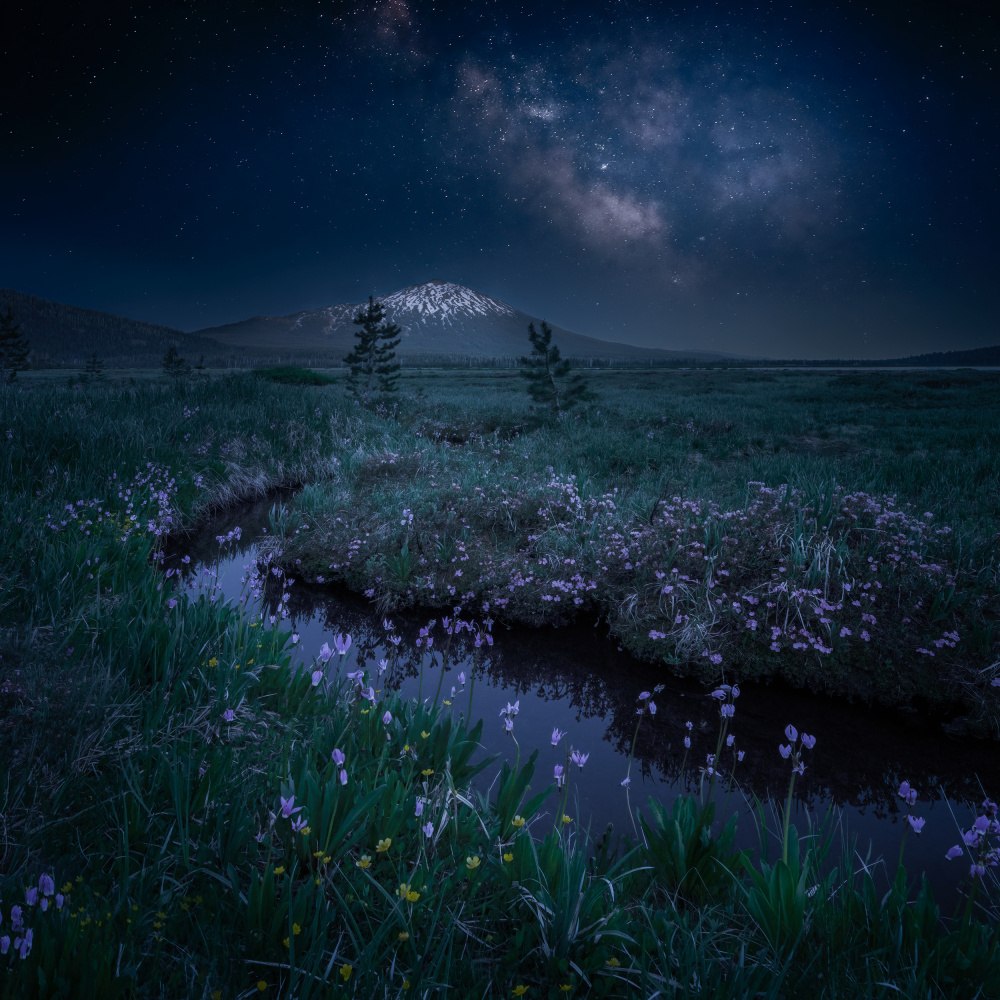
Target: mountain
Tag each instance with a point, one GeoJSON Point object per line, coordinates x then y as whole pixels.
{"type": "Point", "coordinates": [68, 335]}
{"type": "Point", "coordinates": [438, 319]}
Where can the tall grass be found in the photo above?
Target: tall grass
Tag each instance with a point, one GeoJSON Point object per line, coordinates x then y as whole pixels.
{"type": "Point", "coordinates": [186, 816]}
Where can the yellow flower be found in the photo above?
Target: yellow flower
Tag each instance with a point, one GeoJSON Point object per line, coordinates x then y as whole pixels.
{"type": "Point", "coordinates": [424, 734]}
{"type": "Point", "coordinates": [216, 994]}
{"type": "Point", "coordinates": [427, 772]}
{"type": "Point", "coordinates": [236, 666]}
{"type": "Point", "coordinates": [518, 821]}
{"type": "Point", "coordinates": [261, 985]}
{"type": "Point", "coordinates": [406, 748]}
{"type": "Point", "coordinates": [519, 991]}
{"type": "Point", "coordinates": [280, 870]}
{"type": "Point", "coordinates": [412, 897]}
{"type": "Point", "coordinates": [305, 831]}
{"type": "Point", "coordinates": [67, 887]}
{"type": "Point", "coordinates": [365, 711]}
{"type": "Point", "coordinates": [213, 662]}
{"type": "Point", "coordinates": [345, 972]}
{"type": "Point", "coordinates": [327, 859]}
{"type": "Point", "coordinates": [472, 862]}
{"type": "Point", "coordinates": [249, 662]}
{"type": "Point", "coordinates": [406, 984]}
{"type": "Point", "coordinates": [565, 988]}
{"type": "Point", "coordinates": [508, 856]}
{"type": "Point", "coordinates": [383, 845]}
{"type": "Point", "coordinates": [447, 702]}
{"type": "Point", "coordinates": [317, 854]}
{"type": "Point", "coordinates": [296, 930]}
{"type": "Point", "coordinates": [403, 889]}
{"type": "Point", "coordinates": [404, 936]}
{"type": "Point", "coordinates": [567, 819]}
{"type": "Point", "coordinates": [364, 861]}
{"type": "Point", "coordinates": [288, 943]}
{"type": "Point", "coordinates": [613, 962]}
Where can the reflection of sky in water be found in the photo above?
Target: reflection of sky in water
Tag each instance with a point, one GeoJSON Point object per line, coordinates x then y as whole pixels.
{"type": "Point", "coordinates": [575, 679]}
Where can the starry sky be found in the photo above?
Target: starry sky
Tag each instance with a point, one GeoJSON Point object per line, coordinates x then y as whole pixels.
{"type": "Point", "coordinates": [804, 179]}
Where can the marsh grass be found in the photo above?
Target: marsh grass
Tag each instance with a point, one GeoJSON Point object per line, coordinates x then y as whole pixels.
{"type": "Point", "coordinates": [185, 815]}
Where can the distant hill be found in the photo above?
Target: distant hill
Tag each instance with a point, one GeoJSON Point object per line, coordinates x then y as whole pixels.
{"type": "Point", "coordinates": [67, 335]}
{"type": "Point", "coordinates": [438, 319]}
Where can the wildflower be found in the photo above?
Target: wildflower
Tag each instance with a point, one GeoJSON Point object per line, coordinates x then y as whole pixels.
{"type": "Point", "coordinates": [213, 662]}
{"type": "Point", "coordinates": [626, 781]}
{"type": "Point", "coordinates": [299, 825]}
{"type": "Point", "coordinates": [579, 758]}
{"type": "Point", "coordinates": [4, 944]}
{"type": "Point", "coordinates": [287, 805]}
{"type": "Point", "coordinates": [687, 742]}
{"type": "Point", "coordinates": [976, 871]}
{"type": "Point", "coordinates": [345, 972]}
{"type": "Point", "coordinates": [31, 896]}
{"type": "Point", "coordinates": [355, 675]}
{"type": "Point", "coordinates": [808, 741]}
{"type": "Point", "coordinates": [424, 734]}
{"type": "Point", "coordinates": [652, 708]}
{"type": "Point", "coordinates": [317, 676]}
{"type": "Point", "coordinates": [228, 715]}
{"type": "Point", "coordinates": [324, 653]}
{"type": "Point", "coordinates": [612, 962]}
{"type": "Point", "coordinates": [342, 643]}
{"type": "Point", "coordinates": [383, 665]}
{"type": "Point", "coordinates": [508, 856]}
{"type": "Point", "coordinates": [261, 985]}
{"type": "Point", "coordinates": [472, 862]}
{"type": "Point", "coordinates": [280, 870]}
{"type": "Point", "coordinates": [403, 936]}
{"type": "Point", "coordinates": [643, 695]}
{"type": "Point", "coordinates": [518, 821]}
{"type": "Point", "coordinates": [383, 845]}
{"type": "Point", "coordinates": [387, 718]}
{"type": "Point", "coordinates": [428, 829]}
{"type": "Point", "coordinates": [557, 735]}
{"type": "Point", "coordinates": [908, 794]}
{"type": "Point", "coordinates": [785, 751]}
{"type": "Point", "coordinates": [343, 776]}
{"type": "Point", "coordinates": [461, 678]}
{"type": "Point", "coordinates": [791, 733]}
{"type": "Point", "coordinates": [23, 945]}
{"type": "Point", "coordinates": [740, 754]}
{"type": "Point", "coordinates": [559, 776]}
{"type": "Point", "coordinates": [519, 991]}
{"type": "Point", "coordinates": [567, 819]}
{"type": "Point", "coordinates": [730, 740]}
{"type": "Point", "coordinates": [954, 852]}
{"type": "Point", "coordinates": [916, 822]}
{"type": "Point", "coordinates": [364, 861]}
{"type": "Point", "coordinates": [427, 772]}
{"type": "Point", "coordinates": [338, 756]}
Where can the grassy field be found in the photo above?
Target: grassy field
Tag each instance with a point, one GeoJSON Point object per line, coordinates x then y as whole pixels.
{"type": "Point", "coordinates": [185, 816]}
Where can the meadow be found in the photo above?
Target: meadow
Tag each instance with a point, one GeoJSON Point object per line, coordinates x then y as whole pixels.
{"type": "Point", "coordinates": [187, 815]}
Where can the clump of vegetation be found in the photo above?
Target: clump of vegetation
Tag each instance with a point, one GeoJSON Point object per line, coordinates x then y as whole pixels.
{"type": "Point", "coordinates": [291, 375]}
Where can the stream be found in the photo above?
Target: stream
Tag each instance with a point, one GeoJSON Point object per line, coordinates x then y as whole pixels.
{"type": "Point", "coordinates": [577, 679]}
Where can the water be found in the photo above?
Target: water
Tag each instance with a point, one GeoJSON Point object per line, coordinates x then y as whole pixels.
{"type": "Point", "coordinates": [578, 680]}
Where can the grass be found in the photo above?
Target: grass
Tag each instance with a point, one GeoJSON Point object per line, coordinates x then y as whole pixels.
{"type": "Point", "coordinates": [215, 824]}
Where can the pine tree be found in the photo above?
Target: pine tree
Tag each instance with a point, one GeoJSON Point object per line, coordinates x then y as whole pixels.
{"type": "Point", "coordinates": [372, 359]}
{"type": "Point", "coordinates": [547, 374]}
{"type": "Point", "coordinates": [13, 348]}
{"type": "Point", "coordinates": [94, 368]}
{"type": "Point", "coordinates": [174, 365]}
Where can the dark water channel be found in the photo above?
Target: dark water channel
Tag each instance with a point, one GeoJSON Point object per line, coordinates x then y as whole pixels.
{"type": "Point", "coordinates": [578, 680]}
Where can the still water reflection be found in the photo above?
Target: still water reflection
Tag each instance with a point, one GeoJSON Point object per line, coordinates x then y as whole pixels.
{"type": "Point", "coordinates": [578, 680]}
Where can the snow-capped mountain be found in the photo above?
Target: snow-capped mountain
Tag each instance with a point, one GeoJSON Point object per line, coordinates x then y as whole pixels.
{"type": "Point", "coordinates": [437, 319]}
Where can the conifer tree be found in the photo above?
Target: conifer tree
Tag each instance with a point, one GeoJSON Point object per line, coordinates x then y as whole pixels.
{"type": "Point", "coordinates": [174, 365]}
{"type": "Point", "coordinates": [372, 359]}
{"type": "Point", "coordinates": [94, 369]}
{"type": "Point", "coordinates": [547, 374]}
{"type": "Point", "coordinates": [13, 348]}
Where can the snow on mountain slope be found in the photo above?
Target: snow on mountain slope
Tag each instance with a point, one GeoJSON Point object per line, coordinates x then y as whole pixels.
{"type": "Point", "coordinates": [444, 302]}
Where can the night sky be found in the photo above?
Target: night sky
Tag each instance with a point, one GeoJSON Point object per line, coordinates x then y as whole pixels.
{"type": "Point", "coordinates": [809, 179]}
